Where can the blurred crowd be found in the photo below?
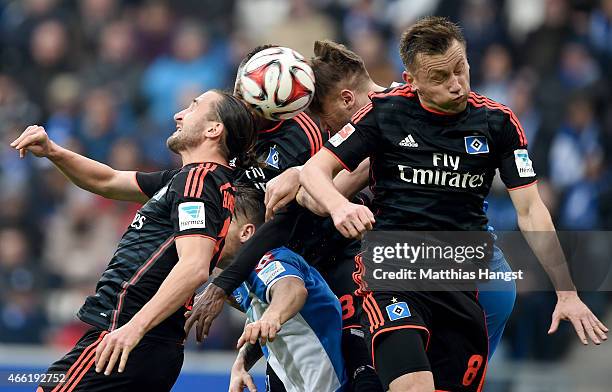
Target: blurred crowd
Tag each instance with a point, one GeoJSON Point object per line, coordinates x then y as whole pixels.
{"type": "Point", "coordinates": [105, 77]}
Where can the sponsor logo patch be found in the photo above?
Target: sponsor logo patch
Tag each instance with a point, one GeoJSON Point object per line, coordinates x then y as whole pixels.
{"type": "Point", "coordinates": [476, 145]}
{"type": "Point", "coordinates": [191, 215]}
{"type": "Point", "coordinates": [270, 272]}
{"type": "Point", "coordinates": [342, 135]}
{"type": "Point", "coordinates": [523, 163]}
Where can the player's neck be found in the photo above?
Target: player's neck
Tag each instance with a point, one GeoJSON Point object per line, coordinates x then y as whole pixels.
{"type": "Point", "coordinates": [203, 153]}
{"type": "Point", "coordinates": [375, 87]}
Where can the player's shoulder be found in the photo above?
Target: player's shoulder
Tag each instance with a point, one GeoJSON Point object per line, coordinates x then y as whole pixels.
{"type": "Point", "coordinates": [494, 110]}
{"type": "Point", "coordinates": [191, 179]}
{"type": "Point", "coordinates": [307, 128]}
{"type": "Point", "coordinates": [396, 92]}
{"type": "Point", "coordinates": [500, 118]}
{"type": "Point", "coordinates": [285, 254]}
{"type": "Point", "coordinates": [386, 102]}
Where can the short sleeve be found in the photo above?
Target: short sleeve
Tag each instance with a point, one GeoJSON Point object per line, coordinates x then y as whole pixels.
{"type": "Point", "coordinates": [515, 166]}
{"type": "Point", "coordinates": [198, 204]}
{"type": "Point", "coordinates": [356, 140]}
{"type": "Point", "coordinates": [269, 271]}
{"type": "Point", "coordinates": [150, 183]}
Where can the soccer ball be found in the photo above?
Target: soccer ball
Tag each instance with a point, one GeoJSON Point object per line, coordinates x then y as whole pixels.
{"type": "Point", "coordinates": [277, 82]}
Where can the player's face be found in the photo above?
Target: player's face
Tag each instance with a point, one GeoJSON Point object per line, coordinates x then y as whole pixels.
{"type": "Point", "coordinates": [192, 122]}
{"type": "Point", "coordinates": [339, 107]}
{"type": "Point", "coordinates": [442, 81]}
{"type": "Point", "coordinates": [238, 233]}
{"type": "Point", "coordinates": [334, 115]}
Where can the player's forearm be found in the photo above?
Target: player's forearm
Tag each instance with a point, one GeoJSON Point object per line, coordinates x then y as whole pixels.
{"type": "Point", "coordinates": [318, 182]}
{"type": "Point", "coordinates": [288, 298]}
{"type": "Point", "coordinates": [93, 176]}
{"type": "Point", "coordinates": [248, 355]}
{"type": "Point", "coordinates": [347, 183]}
{"type": "Point", "coordinates": [175, 290]}
{"type": "Point", "coordinates": [539, 231]}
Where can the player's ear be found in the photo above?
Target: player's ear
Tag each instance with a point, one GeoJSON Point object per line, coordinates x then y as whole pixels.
{"type": "Point", "coordinates": [246, 232]}
{"type": "Point", "coordinates": [215, 130]}
{"type": "Point", "coordinates": [348, 98]}
{"type": "Point", "coordinates": [408, 77]}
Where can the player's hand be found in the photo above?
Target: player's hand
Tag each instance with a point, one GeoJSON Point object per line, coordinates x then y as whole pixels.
{"type": "Point", "coordinates": [352, 220]}
{"type": "Point", "coordinates": [117, 345]}
{"type": "Point", "coordinates": [206, 308]}
{"type": "Point", "coordinates": [33, 139]}
{"type": "Point", "coordinates": [281, 190]}
{"type": "Point", "coordinates": [571, 308]}
{"type": "Point", "coordinates": [240, 378]}
{"type": "Point", "coordinates": [264, 328]}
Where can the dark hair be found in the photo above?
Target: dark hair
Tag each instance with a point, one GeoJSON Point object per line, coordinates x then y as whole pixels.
{"type": "Point", "coordinates": [429, 35]}
{"type": "Point", "coordinates": [332, 64]}
{"type": "Point", "coordinates": [240, 133]}
{"type": "Point", "coordinates": [249, 205]}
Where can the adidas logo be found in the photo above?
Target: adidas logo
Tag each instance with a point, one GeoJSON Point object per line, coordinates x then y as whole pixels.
{"type": "Point", "coordinates": [408, 142]}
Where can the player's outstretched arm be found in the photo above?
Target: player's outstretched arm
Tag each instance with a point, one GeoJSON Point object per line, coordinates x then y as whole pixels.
{"type": "Point", "coordinates": [86, 173]}
{"type": "Point", "coordinates": [288, 296]}
{"type": "Point", "coordinates": [351, 220]}
{"type": "Point", "coordinates": [188, 274]}
{"type": "Point", "coordinates": [536, 225]}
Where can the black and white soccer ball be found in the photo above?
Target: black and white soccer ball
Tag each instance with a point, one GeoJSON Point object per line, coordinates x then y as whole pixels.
{"type": "Point", "coordinates": [278, 83]}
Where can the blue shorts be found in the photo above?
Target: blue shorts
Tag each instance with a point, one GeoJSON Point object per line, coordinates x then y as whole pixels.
{"type": "Point", "coordinates": [497, 300]}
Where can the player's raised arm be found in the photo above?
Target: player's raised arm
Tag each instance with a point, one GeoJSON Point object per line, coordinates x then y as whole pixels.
{"type": "Point", "coordinates": [347, 183]}
{"type": "Point", "coordinates": [351, 220]}
{"type": "Point", "coordinates": [536, 225]}
{"type": "Point", "coordinates": [86, 173]}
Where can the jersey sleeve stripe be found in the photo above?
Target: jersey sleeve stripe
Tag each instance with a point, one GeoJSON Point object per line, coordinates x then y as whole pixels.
{"type": "Point", "coordinates": [209, 167]}
{"type": "Point", "coordinates": [402, 90]}
{"type": "Point", "coordinates": [338, 159]}
{"type": "Point", "coordinates": [315, 129]}
{"type": "Point", "coordinates": [194, 180]}
{"type": "Point", "coordinates": [361, 109]}
{"type": "Point", "coordinates": [189, 176]}
{"type": "Point", "coordinates": [312, 130]}
{"type": "Point", "coordinates": [274, 128]}
{"type": "Point", "coordinates": [523, 186]}
{"type": "Point", "coordinates": [202, 170]}
{"type": "Point", "coordinates": [361, 113]}
{"type": "Point", "coordinates": [480, 100]}
{"type": "Point", "coordinates": [313, 148]}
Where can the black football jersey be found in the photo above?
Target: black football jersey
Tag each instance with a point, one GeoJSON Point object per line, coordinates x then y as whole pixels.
{"type": "Point", "coordinates": [432, 171]}
{"type": "Point", "coordinates": [196, 200]}
{"type": "Point", "coordinates": [288, 144]}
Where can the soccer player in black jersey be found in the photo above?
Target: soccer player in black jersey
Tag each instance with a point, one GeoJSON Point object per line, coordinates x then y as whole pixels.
{"type": "Point", "coordinates": [166, 253]}
{"type": "Point", "coordinates": [434, 145]}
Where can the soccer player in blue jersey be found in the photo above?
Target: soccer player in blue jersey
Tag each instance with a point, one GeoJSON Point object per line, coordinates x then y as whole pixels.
{"type": "Point", "coordinates": [294, 318]}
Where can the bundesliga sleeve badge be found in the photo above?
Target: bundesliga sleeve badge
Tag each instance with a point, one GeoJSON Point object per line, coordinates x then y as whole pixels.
{"type": "Point", "coordinates": [523, 163]}
{"type": "Point", "coordinates": [191, 215]}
